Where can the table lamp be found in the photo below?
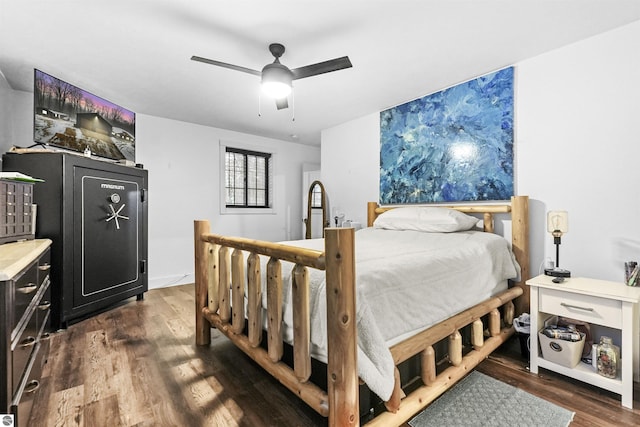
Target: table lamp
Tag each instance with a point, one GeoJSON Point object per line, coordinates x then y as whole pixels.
{"type": "Point", "coordinates": [557, 225]}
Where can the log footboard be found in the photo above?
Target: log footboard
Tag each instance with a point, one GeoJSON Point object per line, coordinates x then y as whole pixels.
{"type": "Point", "coordinates": [218, 274]}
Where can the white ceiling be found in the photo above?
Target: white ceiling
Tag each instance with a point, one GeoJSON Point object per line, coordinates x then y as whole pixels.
{"type": "Point", "coordinates": [136, 53]}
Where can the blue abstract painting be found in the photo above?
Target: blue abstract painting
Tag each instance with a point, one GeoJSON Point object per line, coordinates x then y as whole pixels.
{"type": "Point", "coordinates": [450, 146]}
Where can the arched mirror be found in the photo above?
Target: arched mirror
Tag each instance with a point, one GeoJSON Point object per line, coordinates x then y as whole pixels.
{"type": "Point", "coordinates": [316, 211]}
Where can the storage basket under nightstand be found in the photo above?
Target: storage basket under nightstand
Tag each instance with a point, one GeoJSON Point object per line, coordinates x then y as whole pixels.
{"type": "Point", "coordinates": [562, 352]}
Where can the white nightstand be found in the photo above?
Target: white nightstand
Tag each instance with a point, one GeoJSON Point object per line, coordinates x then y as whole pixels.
{"type": "Point", "coordinates": [609, 304]}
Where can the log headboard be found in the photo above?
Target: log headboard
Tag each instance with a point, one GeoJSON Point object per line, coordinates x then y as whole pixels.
{"type": "Point", "coordinates": [517, 208]}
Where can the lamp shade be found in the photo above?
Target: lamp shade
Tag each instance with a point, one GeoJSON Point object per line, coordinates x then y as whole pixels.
{"type": "Point", "coordinates": [276, 80]}
{"type": "Point", "coordinates": [557, 221]}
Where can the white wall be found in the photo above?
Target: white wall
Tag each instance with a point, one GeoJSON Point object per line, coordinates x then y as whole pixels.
{"type": "Point", "coordinates": [6, 113]}
{"type": "Point", "coordinates": [578, 149]}
{"type": "Point", "coordinates": [351, 166]}
{"type": "Point", "coordinates": [184, 183]}
{"type": "Point", "coordinates": [16, 120]}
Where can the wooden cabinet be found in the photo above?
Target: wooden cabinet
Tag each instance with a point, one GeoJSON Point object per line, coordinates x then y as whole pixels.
{"type": "Point", "coordinates": [25, 302]}
{"type": "Point", "coordinates": [610, 305]}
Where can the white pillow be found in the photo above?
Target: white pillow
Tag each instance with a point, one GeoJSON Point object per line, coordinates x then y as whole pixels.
{"type": "Point", "coordinates": [430, 219]}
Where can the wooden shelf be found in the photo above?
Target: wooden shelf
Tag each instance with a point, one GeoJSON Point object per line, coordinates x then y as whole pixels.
{"type": "Point", "coordinates": [585, 373]}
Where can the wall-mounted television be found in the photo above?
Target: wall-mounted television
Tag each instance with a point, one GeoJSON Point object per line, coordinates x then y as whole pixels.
{"type": "Point", "coordinates": [73, 119]}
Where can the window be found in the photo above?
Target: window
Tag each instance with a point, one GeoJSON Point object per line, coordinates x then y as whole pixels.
{"type": "Point", "coordinates": [246, 178]}
{"type": "Point", "coordinates": [316, 197]}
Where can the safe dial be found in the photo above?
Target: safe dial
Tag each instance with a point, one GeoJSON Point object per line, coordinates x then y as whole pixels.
{"type": "Point", "coordinates": [114, 198]}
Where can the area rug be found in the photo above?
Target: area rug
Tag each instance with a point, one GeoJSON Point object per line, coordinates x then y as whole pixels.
{"type": "Point", "coordinates": [479, 400]}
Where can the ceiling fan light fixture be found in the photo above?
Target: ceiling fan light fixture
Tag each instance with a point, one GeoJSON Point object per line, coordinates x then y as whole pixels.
{"type": "Point", "coordinates": [276, 90]}
{"type": "Point", "coordinates": [276, 81]}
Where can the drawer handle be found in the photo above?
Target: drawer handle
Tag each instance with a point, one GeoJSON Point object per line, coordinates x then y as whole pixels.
{"type": "Point", "coordinates": [44, 267]}
{"type": "Point", "coordinates": [27, 289]}
{"type": "Point", "coordinates": [28, 342]}
{"type": "Point", "coordinates": [32, 386]}
{"type": "Point", "coordinates": [564, 304]}
{"type": "Point", "coordinates": [44, 305]}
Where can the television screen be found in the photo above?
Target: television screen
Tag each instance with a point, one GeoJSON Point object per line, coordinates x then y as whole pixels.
{"type": "Point", "coordinates": [74, 119]}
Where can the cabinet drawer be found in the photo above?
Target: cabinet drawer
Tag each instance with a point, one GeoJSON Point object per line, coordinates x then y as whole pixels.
{"type": "Point", "coordinates": [25, 288]}
{"type": "Point", "coordinates": [588, 308]}
{"type": "Point", "coordinates": [23, 399]}
{"type": "Point", "coordinates": [22, 349]}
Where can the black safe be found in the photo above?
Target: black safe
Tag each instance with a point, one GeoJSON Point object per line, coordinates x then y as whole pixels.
{"type": "Point", "coordinates": [95, 212]}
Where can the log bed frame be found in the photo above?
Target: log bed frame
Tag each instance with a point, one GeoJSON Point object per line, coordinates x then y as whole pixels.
{"type": "Point", "coordinates": [220, 283]}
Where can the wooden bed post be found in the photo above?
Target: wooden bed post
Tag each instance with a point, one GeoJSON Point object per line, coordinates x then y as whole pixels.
{"type": "Point", "coordinates": [520, 247]}
{"type": "Point", "coordinates": [371, 213]}
{"type": "Point", "coordinates": [342, 372]}
{"type": "Point", "coordinates": [203, 328]}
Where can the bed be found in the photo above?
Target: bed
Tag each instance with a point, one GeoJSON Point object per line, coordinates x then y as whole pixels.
{"type": "Point", "coordinates": [304, 294]}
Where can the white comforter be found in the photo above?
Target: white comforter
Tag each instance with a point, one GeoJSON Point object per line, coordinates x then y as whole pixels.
{"type": "Point", "coordinates": [406, 282]}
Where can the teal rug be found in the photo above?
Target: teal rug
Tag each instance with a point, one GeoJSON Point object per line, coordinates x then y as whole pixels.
{"type": "Point", "coordinates": [479, 400]}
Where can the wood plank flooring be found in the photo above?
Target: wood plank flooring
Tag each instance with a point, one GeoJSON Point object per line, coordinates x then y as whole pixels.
{"type": "Point", "coordinates": [137, 365]}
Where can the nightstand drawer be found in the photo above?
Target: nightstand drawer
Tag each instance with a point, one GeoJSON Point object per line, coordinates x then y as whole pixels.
{"type": "Point", "coordinates": [592, 309]}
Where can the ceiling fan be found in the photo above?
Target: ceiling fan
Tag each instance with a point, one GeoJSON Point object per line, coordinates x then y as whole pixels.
{"type": "Point", "coordinates": [277, 78]}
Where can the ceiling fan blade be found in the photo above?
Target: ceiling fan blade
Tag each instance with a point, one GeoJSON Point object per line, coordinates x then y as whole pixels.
{"type": "Point", "coordinates": [282, 103]}
{"type": "Point", "coordinates": [321, 68]}
{"type": "Point", "coordinates": [225, 65]}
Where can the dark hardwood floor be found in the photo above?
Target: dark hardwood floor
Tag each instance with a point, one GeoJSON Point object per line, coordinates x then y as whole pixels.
{"type": "Point", "coordinates": [137, 365]}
